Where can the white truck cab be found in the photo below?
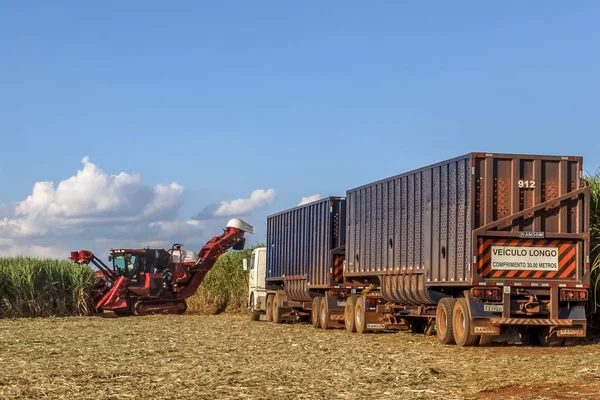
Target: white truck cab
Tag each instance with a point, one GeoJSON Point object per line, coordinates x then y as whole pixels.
{"type": "Point", "coordinates": [257, 292]}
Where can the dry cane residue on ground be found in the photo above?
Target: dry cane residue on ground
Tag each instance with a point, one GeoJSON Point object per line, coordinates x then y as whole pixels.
{"type": "Point", "coordinates": [230, 357]}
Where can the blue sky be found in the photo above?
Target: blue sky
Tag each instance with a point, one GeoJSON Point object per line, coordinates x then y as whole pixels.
{"type": "Point", "coordinates": [298, 97]}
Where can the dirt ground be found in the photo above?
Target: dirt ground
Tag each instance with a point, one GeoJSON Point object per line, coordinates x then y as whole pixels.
{"type": "Point", "coordinates": [230, 357]}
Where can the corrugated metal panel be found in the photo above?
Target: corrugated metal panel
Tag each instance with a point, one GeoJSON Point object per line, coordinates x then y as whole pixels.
{"type": "Point", "coordinates": [423, 222]}
{"type": "Point", "coordinates": [402, 213]}
{"type": "Point", "coordinates": [299, 241]}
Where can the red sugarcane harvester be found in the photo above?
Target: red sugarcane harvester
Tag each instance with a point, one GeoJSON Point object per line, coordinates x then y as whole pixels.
{"type": "Point", "coordinates": [157, 281]}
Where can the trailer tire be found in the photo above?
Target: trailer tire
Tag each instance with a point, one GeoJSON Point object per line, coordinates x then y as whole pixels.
{"type": "Point", "coordinates": [315, 312]}
{"type": "Point", "coordinates": [461, 325]}
{"type": "Point", "coordinates": [443, 320]}
{"type": "Point", "coordinates": [360, 320]}
{"type": "Point", "coordinates": [269, 308]}
{"type": "Point", "coordinates": [324, 313]}
{"type": "Point", "coordinates": [548, 338]}
{"type": "Point", "coordinates": [277, 310]}
{"type": "Point", "coordinates": [349, 314]}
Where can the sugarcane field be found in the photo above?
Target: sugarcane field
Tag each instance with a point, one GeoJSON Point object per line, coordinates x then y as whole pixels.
{"type": "Point", "coordinates": [231, 357]}
{"type": "Point", "coordinates": [299, 200]}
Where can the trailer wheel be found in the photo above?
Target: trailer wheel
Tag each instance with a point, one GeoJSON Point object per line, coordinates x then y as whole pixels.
{"type": "Point", "coordinates": [276, 310]}
{"type": "Point", "coordinates": [548, 338]}
{"type": "Point", "coordinates": [269, 308]}
{"type": "Point", "coordinates": [349, 314]}
{"type": "Point", "coordinates": [461, 324]}
{"type": "Point", "coordinates": [315, 312]}
{"type": "Point", "coordinates": [443, 320]}
{"type": "Point", "coordinates": [360, 320]}
{"type": "Point", "coordinates": [324, 313]}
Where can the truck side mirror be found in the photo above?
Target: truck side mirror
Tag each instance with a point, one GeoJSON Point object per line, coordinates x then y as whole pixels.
{"type": "Point", "coordinates": [245, 264]}
{"type": "Point", "coordinates": [109, 258]}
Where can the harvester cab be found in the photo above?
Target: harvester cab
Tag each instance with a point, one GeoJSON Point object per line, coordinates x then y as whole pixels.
{"type": "Point", "coordinates": [133, 264]}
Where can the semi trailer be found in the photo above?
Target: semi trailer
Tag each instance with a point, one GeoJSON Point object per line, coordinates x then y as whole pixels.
{"type": "Point", "coordinates": [473, 248]}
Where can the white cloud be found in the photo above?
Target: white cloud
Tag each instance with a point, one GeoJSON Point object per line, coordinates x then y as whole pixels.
{"type": "Point", "coordinates": [90, 209]}
{"type": "Point", "coordinates": [258, 199]}
{"type": "Point", "coordinates": [89, 198]}
{"type": "Point", "coordinates": [309, 199]}
{"type": "Point", "coordinates": [95, 210]}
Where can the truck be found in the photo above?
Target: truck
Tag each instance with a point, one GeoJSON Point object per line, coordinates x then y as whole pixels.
{"type": "Point", "coordinates": [301, 267]}
{"type": "Point", "coordinates": [473, 249]}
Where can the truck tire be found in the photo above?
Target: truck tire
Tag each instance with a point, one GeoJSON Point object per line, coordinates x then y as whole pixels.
{"type": "Point", "coordinates": [443, 320]}
{"type": "Point", "coordinates": [277, 310]}
{"type": "Point", "coordinates": [324, 314]}
{"type": "Point", "coordinates": [255, 315]}
{"type": "Point", "coordinates": [269, 308]}
{"type": "Point", "coordinates": [548, 338]}
{"type": "Point", "coordinates": [349, 314]}
{"type": "Point", "coordinates": [315, 312]}
{"type": "Point", "coordinates": [360, 317]}
{"type": "Point", "coordinates": [461, 325]}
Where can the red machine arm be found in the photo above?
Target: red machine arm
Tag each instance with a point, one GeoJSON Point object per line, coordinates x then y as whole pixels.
{"type": "Point", "coordinates": [187, 279]}
{"type": "Point", "coordinates": [86, 257]}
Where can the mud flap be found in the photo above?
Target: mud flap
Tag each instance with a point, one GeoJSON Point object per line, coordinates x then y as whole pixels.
{"type": "Point", "coordinates": [480, 319]}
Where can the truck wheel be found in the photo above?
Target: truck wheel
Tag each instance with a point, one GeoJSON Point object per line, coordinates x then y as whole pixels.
{"type": "Point", "coordinates": [349, 314]}
{"type": "Point", "coordinates": [360, 320]}
{"type": "Point", "coordinates": [255, 315]}
{"type": "Point", "coordinates": [276, 310]}
{"type": "Point", "coordinates": [269, 308]}
{"type": "Point", "coordinates": [324, 313]}
{"type": "Point", "coordinates": [315, 312]}
{"type": "Point", "coordinates": [548, 338]}
{"type": "Point", "coordinates": [461, 325]}
{"type": "Point", "coordinates": [443, 320]}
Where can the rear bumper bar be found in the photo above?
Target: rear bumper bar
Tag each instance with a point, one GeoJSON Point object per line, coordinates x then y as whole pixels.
{"type": "Point", "coordinates": [534, 321]}
{"type": "Point", "coordinates": [564, 327]}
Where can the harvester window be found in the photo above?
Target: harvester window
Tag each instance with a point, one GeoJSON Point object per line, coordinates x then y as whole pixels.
{"type": "Point", "coordinates": [131, 267]}
{"type": "Point", "coordinates": [119, 263]}
{"type": "Point", "coordinates": [252, 261]}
